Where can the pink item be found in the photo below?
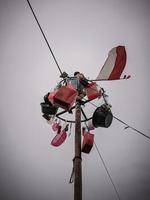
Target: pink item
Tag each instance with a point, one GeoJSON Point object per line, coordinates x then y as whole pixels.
{"type": "Point", "coordinates": [92, 91]}
{"type": "Point", "coordinates": [64, 97]}
{"type": "Point", "coordinates": [59, 139]}
{"type": "Point", "coordinates": [55, 126]}
{"type": "Point", "coordinates": [59, 129]}
{"type": "Point", "coordinates": [88, 140]}
{"type": "Point", "coordinates": [51, 96]}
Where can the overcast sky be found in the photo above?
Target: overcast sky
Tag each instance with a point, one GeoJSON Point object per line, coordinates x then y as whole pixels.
{"type": "Point", "coordinates": [81, 33]}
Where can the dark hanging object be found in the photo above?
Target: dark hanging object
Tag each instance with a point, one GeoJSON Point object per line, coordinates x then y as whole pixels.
{"type": "Point", "coordinates": [47, 117]}
{"type": "Point", "coordinates": [46, 98]}
{"type": "Point", "coordinates": [75, 73]}
{"type": "Point", "coordinates": [84, 82]}
{"type": "Point", "coordinates": [88, 140]}
{"type": "Point", "coordinates": [48, 108]}
{"type": "Point", "coordinates": [102, 117]}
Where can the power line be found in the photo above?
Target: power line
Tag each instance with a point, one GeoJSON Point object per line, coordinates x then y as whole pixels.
{"type": "Point", "coordinates": [44, 37]}
{"type": "Point", "coordinates": [110, 178]}
{"type": "Point", "coordinates": [116, 191]}
{"type": "Point", "coordinates": [127, 125]}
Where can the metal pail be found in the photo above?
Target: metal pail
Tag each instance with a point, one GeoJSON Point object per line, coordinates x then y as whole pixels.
{"type": "Point", "coordinates": [102, 117]}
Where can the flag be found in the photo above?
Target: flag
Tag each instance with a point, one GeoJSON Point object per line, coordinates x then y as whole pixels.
{"type": "Point", "coordinates": [114, 64]}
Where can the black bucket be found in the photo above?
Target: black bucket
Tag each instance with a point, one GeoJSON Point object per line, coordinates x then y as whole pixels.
{"type": "Point", "coordinates": [48, 109]}
{"type": "Point", "coordinates": [102, 117]}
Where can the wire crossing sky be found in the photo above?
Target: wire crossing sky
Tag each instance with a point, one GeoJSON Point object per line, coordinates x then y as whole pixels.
{"type": "Point", "coordinates": [44, 37]}
{"type": "Point", "coordinates": [127, 125]}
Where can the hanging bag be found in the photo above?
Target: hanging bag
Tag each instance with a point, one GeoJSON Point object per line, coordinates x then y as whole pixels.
{"type": "Point", "coordinates": [88, 140]}
{"type": "Point", "coordinates": [59, 138]}
{"type": "Point", "coordinates": [55, 125]}
{"type": "Point", "coordinates": [92, 91]}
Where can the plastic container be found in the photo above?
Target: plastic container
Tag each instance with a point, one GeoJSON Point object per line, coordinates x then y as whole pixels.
{"type": "Point", "coordinates": [65, 97]}
{"type": "Point", "coordinates": [92, 91]}
{"type": "Point", "coordinates": [88, 140]}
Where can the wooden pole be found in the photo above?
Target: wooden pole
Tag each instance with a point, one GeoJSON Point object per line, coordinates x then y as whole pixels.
{"type": "Point", "coordinates": [77, 158]}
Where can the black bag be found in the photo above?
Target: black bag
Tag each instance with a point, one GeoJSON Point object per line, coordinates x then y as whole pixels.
{"type": "Point", "coordinates": [48, 109]}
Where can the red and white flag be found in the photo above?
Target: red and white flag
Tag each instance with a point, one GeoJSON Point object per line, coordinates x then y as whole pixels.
{"type": "Point", "coordinates": [114, 64]}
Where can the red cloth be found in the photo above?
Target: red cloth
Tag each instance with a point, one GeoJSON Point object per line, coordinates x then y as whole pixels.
{"type": "Point", "coordinates": [92, 91]}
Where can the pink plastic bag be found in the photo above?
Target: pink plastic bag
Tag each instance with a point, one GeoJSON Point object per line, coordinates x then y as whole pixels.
{"type": "Point", "coordinates": [55, 126]}
{"type": "Point", "coordinates": [92, 91]}
{"type": "Point", "coordinates": [59, 139]}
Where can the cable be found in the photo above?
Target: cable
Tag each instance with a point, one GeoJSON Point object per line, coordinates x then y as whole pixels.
{"type": "Point", "coordinates": [110, 178]}
{"type": "Point", "coordinates": [44, 37]}
{"type": "Point", "coordinates": [128, 126]}
{"type": "Point", "coordinates": [132, 128]}
{"type": "Point", "coordinates": [117, 194]}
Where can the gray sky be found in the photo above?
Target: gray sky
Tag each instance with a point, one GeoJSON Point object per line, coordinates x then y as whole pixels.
{"type": "Point", "coordinates": [81, 34]}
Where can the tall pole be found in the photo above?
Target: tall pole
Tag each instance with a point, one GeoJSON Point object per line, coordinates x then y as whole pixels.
{"type": "Point", "coordinates": [77, 158]}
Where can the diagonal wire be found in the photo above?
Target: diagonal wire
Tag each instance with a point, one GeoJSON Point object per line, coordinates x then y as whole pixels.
{"type": "Point", "coordinates": [116, 191]}
{"type": "Point", "coordinates": [44, 37]}
{"type": "Point", "coordinates": [110, 178]}
{"type": "Point", "coordinates": [128, 126]}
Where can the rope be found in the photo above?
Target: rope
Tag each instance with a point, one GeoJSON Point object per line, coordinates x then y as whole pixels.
{"type": "Point", "coordinates": [44, 37]}
{"type": "Point", "coordinates": [71, 180]}
{"type": "Point", "coordinates": [117, 194]}
{"type": "Point", "coordinates": [127, 125]}
{"type": "Point", "coordinates": [110, 178]}
{"type": "Point", "coordinates": [72, 177]}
